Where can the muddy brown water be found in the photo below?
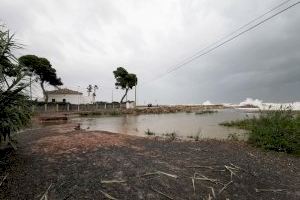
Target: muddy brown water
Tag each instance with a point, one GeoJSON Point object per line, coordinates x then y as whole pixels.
{"type": "Point", "coordinates": [184, 125]}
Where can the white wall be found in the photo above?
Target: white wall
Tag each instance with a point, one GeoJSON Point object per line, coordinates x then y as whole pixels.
{"type": "Point", "coordinates": [70, 98]}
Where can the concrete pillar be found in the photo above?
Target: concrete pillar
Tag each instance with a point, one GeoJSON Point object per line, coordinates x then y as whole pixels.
{"type": "Point", "coordinates": [78, 107]}
{"type": "Point", "coordinates": [105, 106]}
{"type": "Point", "coordinates": [56, 107]}
{"type": "Point", "coordinates": [68, 107]}
{"type": "Point", "coordinates": [45, 107]}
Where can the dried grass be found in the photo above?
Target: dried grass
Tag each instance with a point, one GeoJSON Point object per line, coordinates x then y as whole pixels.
{"type": "Point", "coordinates": [78, 141]}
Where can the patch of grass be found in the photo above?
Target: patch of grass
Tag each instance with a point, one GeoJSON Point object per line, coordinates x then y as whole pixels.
{"type": "Point", "coordinates": [149, 132]}
{"type": "Point", "coordinates": [242, 124]}
{"type": "Point", "coordinates": [205, 112]}
{"type": "Point", "coordinates": [233, 136]}
{"type": "Point", "coordinates": [277, 130]}
{"type": "Point", "coordinates": [196, 137]}
{"type": "Point", "coordinates": [172, 136]}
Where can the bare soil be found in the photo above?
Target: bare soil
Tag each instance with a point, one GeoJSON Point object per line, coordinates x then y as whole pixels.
{"type": "Point", "coordinates": [62, 163]}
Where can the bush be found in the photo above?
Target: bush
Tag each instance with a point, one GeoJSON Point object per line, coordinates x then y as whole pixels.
{"type": "Point", "coordinates": [233, 137]}
{"type": "Point", "coordinates": [14, 105]}
{"type": "Point", "coordinates": [172, 136]}
{"type": "Point", "coordinates": [14, 116]}
{"type": "Point", "coordinates": [148, 132]}
{"type": "Point", "coordinates": [277, 130]}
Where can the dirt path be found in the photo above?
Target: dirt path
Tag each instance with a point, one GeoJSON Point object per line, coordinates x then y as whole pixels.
{"type": "Point", "coordinates": [102, 165]}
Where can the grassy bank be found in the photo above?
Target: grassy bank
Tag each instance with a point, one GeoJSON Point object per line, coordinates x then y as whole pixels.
{"type": "Point", "coordinates": [273, 130]}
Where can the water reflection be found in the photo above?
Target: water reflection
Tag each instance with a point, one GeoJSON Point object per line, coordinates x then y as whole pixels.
{"type": "Point", "coordinates": [184, 124]}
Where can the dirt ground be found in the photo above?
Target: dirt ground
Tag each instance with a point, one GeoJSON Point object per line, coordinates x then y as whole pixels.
{"type": "Point", "coordinates": [62, 163]}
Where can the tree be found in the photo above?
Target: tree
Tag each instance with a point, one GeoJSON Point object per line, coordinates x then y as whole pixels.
{"type": "Point", "coordinates": [43, 70]}
{"type": "Point", "coordinates": [89, 89]}
{"type": "Point", "coordinates": [124, 80]}
{"type": "Point", "coordinates": [15, 110]}
{"type": "Point", "coordinates": [94, 93]}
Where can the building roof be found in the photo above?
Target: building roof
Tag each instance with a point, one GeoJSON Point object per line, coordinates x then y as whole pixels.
{"type": "Point", "coordinates": [63, 91]}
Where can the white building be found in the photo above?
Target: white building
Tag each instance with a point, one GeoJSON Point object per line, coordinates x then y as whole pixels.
{"type": "Point", "coordinates": [68, 96]}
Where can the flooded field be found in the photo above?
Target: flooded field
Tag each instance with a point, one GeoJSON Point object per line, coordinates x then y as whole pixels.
{"type": "Point", "coordinates": [184, 125]}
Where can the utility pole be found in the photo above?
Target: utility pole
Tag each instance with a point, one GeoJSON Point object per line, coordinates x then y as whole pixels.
{"type": "Point", "coordinates": [135, 96]}
{"type": "Point", "coordinates": [112, 95]}
{"type": "Point", "coordinates": [78, 99]}
{"type": "Point", "coordinates": [30, 88]}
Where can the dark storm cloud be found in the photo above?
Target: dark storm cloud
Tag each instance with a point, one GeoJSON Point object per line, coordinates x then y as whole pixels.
{"type": "Point", "coordinates": [87, 40]}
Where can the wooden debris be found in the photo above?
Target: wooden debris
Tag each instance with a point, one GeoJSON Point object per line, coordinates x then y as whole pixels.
{"type": "Point", "coordinates": [232, 170]}
{"type": "Point", "coordinates": [108, 196]}
{"type": "Point", "coordinates": [167, 174]}
{"type": "Point", "coordinates": [225, 186]}
{"type": "Point", "coordinates": [213, 192]}
{"type": "Point", "coordinates": [204, 178]}
{"type": "Point", "coordinates": [193, 182]}
{"type": "Point", "coordinates": [148, 174]}
{"type": "Point", "coordinates": [237, 167]}
{"type": "Point", "coordinates": [161, 193]}
{"type": "Point", "coordinates": [199, 166]}
{"type": "Point", "coordinates": [209, 197]}
{"type": "Point", "coordinates": [159, 173]}
{"type": "Point", "coordinates": [4, 179]}
{"type": "Point", "coordinates": [112, 181]}
{"type": "Point", "coordinates": [45, 195]}
{"type": "Point", "coordinates": [269, 190]}
{"type": "Point", "coordinates": [251, 154]}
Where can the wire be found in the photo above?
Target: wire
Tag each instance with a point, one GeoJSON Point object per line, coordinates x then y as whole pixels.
{"type": "Point", "coordinates": [240, 28]}
{"type": "Point", "coordinates": [196, 56]}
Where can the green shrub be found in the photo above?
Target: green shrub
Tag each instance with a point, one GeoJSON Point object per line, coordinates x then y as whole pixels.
{"type": "Point", "coordinates": [277, 130]}
{"type": "Point", "coordinates": [242, 124]}
{"type": "Point", "coordinates": [196, 137]}
{"type": "Point", "coordinates": [149, 132]}
{"type": "Point", "coordinates": [172, 136]}
{"type": "Point", "coordinates": [233, 137]}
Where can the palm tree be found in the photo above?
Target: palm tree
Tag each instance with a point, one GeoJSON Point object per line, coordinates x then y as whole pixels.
{"type": "Point", "coordinates": [94, 93]}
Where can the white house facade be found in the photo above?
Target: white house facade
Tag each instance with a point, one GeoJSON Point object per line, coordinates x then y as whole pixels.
{"type": "Point", "coordinates": [67, 96]}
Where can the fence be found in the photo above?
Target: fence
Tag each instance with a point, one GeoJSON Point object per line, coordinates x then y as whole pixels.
{"type": "Point", "coordinates": [67, 107]}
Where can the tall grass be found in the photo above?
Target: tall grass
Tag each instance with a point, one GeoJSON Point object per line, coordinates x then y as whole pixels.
{"type": "Point", "coordinates": [277, 130]}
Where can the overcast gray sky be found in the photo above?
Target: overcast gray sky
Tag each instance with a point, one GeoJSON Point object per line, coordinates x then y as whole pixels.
{"type": "Point", "coordinates": [86, 40]}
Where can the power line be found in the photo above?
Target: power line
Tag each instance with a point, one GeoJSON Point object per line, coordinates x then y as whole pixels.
{"type": "Point", "coordinates": [238, 29]}
{"type": "Point", "coordinates": [195, 56]}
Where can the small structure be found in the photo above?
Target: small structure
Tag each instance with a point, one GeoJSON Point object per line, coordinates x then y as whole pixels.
{"type": "Point", "coordinates": [65, 95]}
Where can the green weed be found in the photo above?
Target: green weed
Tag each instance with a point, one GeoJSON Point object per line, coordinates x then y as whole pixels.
{"type": "Point", "coordinates": [277, 130]}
